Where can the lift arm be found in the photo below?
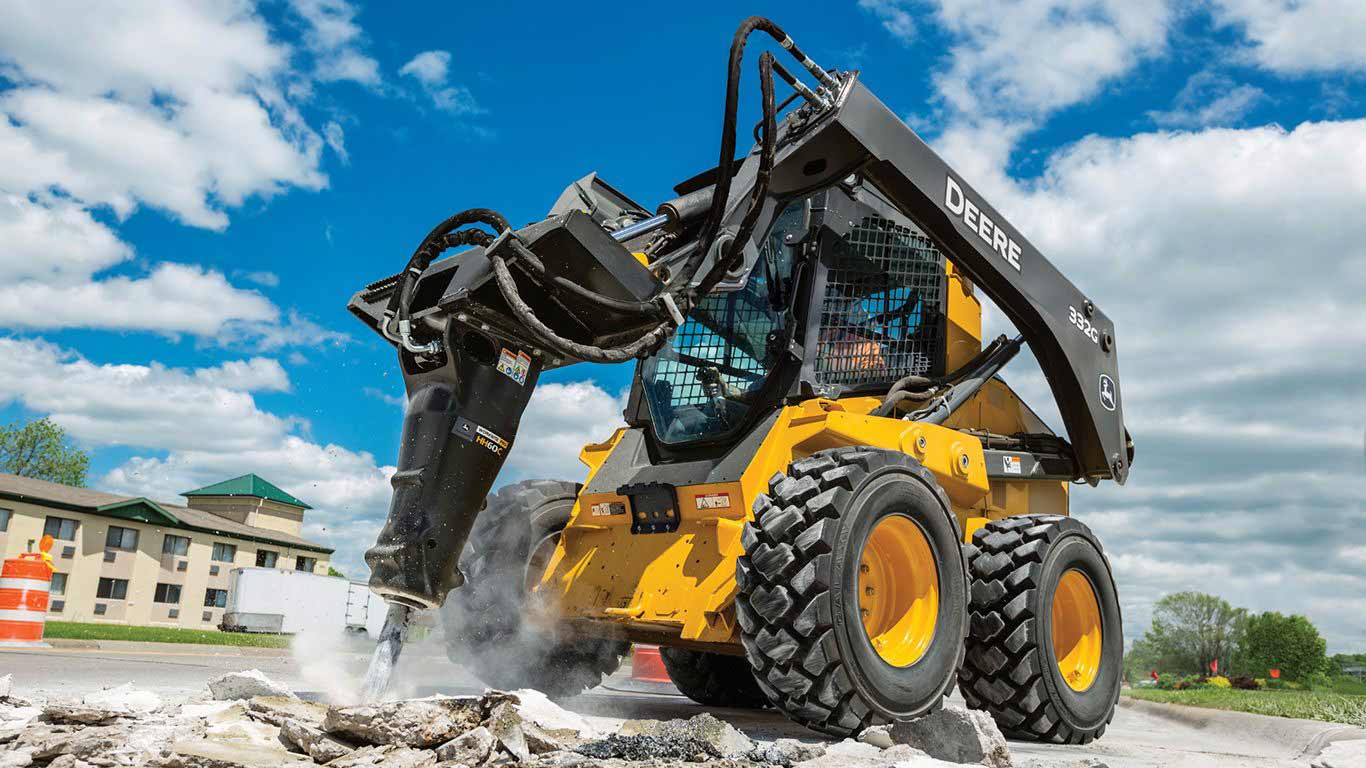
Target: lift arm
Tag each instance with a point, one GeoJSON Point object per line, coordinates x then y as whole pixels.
{"type": "Point", "coordinates": [1073, 340]}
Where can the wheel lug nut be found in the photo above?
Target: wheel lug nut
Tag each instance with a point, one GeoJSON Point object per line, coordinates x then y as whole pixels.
{"type": "Point", "coordinates": [868, 591]}
{"type": "Point", "coordinates": [863, 568]}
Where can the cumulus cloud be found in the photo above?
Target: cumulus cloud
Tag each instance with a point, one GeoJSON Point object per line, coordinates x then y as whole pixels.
{"type": "Point", "coordinates": [1209, 99]}
{"type": "Point", "coordinates": [191, 427]}
{"type": "Point", "coordinates": [177, 106]}
{"type": "Point", "coordinates": [1299, 37]}
{"type": "Point", "coordinates": [336, 41]}
{"type": "Point", "coordinates": [1026, 59]}
{"type": "Point", "coordinates": [1237, 314]}
{"type": "Point", "coordinates": [431, 69]}
{"type": "Point", "coordinates": [559, 420]}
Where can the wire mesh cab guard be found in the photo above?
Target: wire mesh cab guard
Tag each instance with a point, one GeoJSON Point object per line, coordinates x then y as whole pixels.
{"type": "Point", "coordinates": [881, 291]}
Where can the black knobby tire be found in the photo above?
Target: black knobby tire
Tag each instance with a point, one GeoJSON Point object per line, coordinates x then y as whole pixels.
{"type": "Point", "coordinates": [713, 679]}
{"type": "Point", "coordinates": [798, 603]}
{"type": "Point", "coordinates": [1010, 669]}
{"type": "Point", "coordinates": [491, 626]}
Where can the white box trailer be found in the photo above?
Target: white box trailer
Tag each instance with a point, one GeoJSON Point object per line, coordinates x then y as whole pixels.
{"type": "Point", "coordinates": [287, 602]}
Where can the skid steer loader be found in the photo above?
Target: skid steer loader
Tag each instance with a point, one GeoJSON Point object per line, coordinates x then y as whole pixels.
{"type": "Point", "coordinates": [825, 499]}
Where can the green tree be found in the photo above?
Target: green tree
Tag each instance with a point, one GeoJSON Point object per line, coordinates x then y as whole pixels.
{"type": "Point", "coordinates": [1291, 644]}
{"type": "Point", "coordinates": [334, 572]}
{"type": "Point", "coordinates": [1190, 630]}
{"type": "Point", "coordinates": [39, 449]}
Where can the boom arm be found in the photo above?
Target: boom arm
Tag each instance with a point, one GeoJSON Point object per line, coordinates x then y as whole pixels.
{"type": "Point", "coordinates": [1070, 336]}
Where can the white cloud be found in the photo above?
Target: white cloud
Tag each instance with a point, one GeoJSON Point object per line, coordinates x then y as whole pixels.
{"type": "Point", "coordinates": [262, 277]}
{"type": "Point", "coordinates": [178, 106]}
{"type": "Point", "coordinates": [1209, 99]}
{"type": "Point", "coordinates": [895, 16]}
{"type": "Point", "coordinates": [431, 69]}
{"type": "Point", "coordinates": [336, 140]}
{"type": "Point", "coordinates": [1237, 314]}
{"type": "Point", "coordinates": [1029, 58]}
{"type": "Point", "coordinates": [558, 422]}
{"type": "Point", "coordinates": [336, 42]}
{"type": "Point", "coordinates": [205, 425]}
{"type": "Point", "coordinates": [1299, 37]}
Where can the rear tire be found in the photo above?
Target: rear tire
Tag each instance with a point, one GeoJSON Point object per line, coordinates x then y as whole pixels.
{"type": "Point", "coordinates": [1028, 680]}
{"type": "Point", "coordinates": [713, 679]}
{"type": "Point", "coordinates": [800, 604]}
{"type": "Point", "coordinates": [491, 624]}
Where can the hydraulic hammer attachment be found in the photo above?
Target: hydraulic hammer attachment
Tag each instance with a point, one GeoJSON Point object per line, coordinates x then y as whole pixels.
{"type": "Point", "coordinates": [469, 367]}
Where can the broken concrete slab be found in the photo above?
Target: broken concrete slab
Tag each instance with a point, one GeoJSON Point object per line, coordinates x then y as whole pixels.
{"type": "Point", "coordinates": [879, 736]}
{"type": "Point", "coordinates": [506, 727]}
{"type": "Point", "coordinates": [212, 753]}
{"type": "Point", "coordinates": [721, 738]}
{"type": "Point", "coordinates": [786, 752]}
{"type": "Point", "coordinates": [536, 708]}
{"type": "Point", "coordinates": [245, 685]}
{"type": "Point", "coordinates": [80, 714]}
{"type": "Point", "coordinates": [956, 735]}
{"type": "Point", "coordinates": [411, 723]}
{"type": "Point", "coordinates": [277, 709]}
{"type": "Point", "coordinates": [124, 698]}
{"type": "Point", "coordinates": [387, 756]}
{"type": "Point", "coordinates": [6, 685]}
{"type": "Point", "coordinates": [312, 741]}
{"type": "Point", "coordinates": [47, 743]}
{"type": "Point", "coordinates": [16, 758]}
{"type": "Point", "coordinates": [213, 711]}
{"type": "Point", "coordinates": [471, 748]}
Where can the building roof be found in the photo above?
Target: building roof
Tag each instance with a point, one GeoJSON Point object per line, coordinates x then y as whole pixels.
{"type": "Point", "coordinates": [248, 485]}
{"type": "Point", "coordinates": [143, 510]}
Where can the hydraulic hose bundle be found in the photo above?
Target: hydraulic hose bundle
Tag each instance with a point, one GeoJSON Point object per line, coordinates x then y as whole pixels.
{"type": "Point", "coordinates": [674, 300]}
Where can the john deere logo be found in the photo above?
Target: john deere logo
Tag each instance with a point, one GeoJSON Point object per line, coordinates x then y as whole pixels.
{"type": "Point", "coordinates": [1107, 392]}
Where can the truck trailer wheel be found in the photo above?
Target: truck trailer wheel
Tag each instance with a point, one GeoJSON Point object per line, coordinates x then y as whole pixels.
{"type": "Point", "coordinates": [713, 679]}
{"type": "Point", "coordinates": [1046, 648]}
{"type": "Point", "coordinates": [492, 627]}
{"type": "Point", "coordinates": [853, 591]}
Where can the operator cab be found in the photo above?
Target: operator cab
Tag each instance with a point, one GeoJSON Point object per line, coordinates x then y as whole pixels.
{"type": "Point", "coordinates": [847, 297]}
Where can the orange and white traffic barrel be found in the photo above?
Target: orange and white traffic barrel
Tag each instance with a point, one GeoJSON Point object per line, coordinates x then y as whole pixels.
{"type": "Point", "coordinates": [24, 584]}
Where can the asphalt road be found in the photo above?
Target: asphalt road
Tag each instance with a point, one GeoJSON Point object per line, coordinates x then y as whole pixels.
{"type": "Point", "coordinates": [1142, 735]}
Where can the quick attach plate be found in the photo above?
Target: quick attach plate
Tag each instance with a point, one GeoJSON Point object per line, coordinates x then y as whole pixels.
{"type": "Point", "coordinates": [654, 507]}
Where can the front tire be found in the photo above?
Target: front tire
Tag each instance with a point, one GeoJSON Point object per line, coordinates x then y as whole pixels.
{"type": "Point", "coordinates": [853, 591]}
{"type": "Point", "coordinates": [1046, 651]}
{"type": "Point", "coordinates": [492, 626]}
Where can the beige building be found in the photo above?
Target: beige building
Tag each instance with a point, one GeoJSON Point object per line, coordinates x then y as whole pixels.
{"type": "Point", "coordinates": [131, 560]}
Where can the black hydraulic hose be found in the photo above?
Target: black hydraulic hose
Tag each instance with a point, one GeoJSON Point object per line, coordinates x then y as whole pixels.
{"type": "Point", "coordinates": [649, 308]}
{"type": "Point", "coordinates": [920, 388]}
{"type": "Point", "coordinates": [567, 347]}
{"type": "Point", "coordinates": [726, 163]}
{"type": "Point", "coordinates": [767, 153]}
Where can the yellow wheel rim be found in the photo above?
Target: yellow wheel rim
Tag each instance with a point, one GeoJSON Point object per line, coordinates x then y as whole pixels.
{"type": "Point", "coordinates": [1076, 630]}
{"type": "Point", "coordinates": [898, 587]}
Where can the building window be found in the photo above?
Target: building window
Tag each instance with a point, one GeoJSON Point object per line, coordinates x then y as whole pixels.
{"type": "Point", "coordinates": [110, 555]}
{"type": "Point", "coordinates": [100, 608]}
{"type": "Point", "coordinates": [213, 570]}
{"type": "Point", "coordinates": [206, 616]}
{"type": "Point", "coordinates": [58, 586]}
{"type": "Point", "coordinates": [60, 528]}
{"type": "Point", "coordinates": [265, 558]}
{"type": "Point", "coordinates": [112, 589]}
{"type": "Point", "coordinates": [174, 613]}
{"type": "Point", "coordinates": [57, 606]}
{"type": "Point", "coordinates": [167, 593]}
{"type": "Point", "coordinates": [305, 563]}
{"type": "Point", "coordinates": [175, 545]}
{"type": "Point", "coordinates": [215, 598]}
{"type": "Point", "coordinates": [121, 538]}
{"type": "Point", "coordinates": [183, 565]}
{"type": "Point", "coordinates": [5, 515]}
{"type": "Point", "coordinates": [224, 553]}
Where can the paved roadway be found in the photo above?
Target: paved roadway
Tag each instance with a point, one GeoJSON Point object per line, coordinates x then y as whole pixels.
{"type": "Point", "coordinates": [1141, 736]}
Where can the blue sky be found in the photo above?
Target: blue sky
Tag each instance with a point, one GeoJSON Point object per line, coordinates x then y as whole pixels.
{"type": "Point", "coordinates": [188, 199]}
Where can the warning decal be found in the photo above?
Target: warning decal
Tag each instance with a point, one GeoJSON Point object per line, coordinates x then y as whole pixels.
{"type": "Point", "coordinates": [1012, 464]}
{"type": "Point", "coordinates": [713, 501]}
{"type": "Point", "coordinates": [514, 365]}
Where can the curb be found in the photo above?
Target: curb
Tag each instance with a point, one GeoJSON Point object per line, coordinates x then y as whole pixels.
{"type": "Point", "coordinates": [1312, 735]}
{"type": "Point", "coordinates": [178, 648]}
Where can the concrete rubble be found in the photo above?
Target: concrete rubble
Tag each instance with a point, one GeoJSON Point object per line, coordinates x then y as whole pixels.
{"type": "Point", "coordinates": [271, 726]}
